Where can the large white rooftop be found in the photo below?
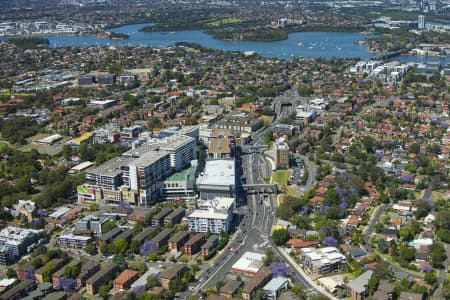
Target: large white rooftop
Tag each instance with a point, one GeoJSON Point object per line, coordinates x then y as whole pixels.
{"type": "Point", "coordinates": [218, 172]}
{"type": "Point", "coordinates": [206, 214]}
{"type": "Point", "coordinates": [250, 262]}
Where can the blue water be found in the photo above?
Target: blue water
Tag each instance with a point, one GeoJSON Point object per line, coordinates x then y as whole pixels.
{"type": "Point", "coordinates": [305, 44]}
{"type": "Point", "coordinates": [300, 44]}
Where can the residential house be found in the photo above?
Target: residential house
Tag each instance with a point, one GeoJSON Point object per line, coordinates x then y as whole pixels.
{"type": "Point", "coordinates": [385, 291]}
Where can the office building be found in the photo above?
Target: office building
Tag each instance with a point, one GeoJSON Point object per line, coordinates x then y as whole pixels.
{"type": "Point", "coordinates": [138, 175]}
{"type": "Point", "coordinates": [179, 185]}
{"type": "Point", "coordinates": [282, 154]}
{"type": "Point", "coordinates": [16, 242]}
{"type": "Point", "coordinates": [212, 215]}
{"type": "Point", "coordinates": [421, 22]}
{"type": "Point", "coordinates": [322, 260]}
{"type": "Point", "coordinates": [92, 223]}
{"type": "Point", "coordinates": [218, 179]}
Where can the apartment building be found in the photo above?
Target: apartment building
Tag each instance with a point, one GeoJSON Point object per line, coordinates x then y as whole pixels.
{"type": "Point", "coordinates": [193, 246]}
{"type": "Point", "coordinates": [171, 273]}
{"type": "Point", "coordinates": [177, 241]}
{"type": "Point", "coordinates": [99, 278]}
{"type": "Point", "coordinates": [213, 215]}
{"type": "Point", "coordinates": [124, 280]}
{"type": "Point", "coordinates": [257, 281]}
{"type": "Point", "coordinates": [73, 241]}
{"type": "Point", "coordinates": [16, 242]}
{"type": "Point", "coordinates": [322, 260]}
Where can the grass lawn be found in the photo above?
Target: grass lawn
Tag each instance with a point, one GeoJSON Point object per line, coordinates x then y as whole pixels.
{"type": "Point", "coordinates": [266, 119]}
{"type": "Point", "coordinates": [435, 196]}
{"type": "Point", "coordinates": [281, 177]}
{"type": "Point", "coordinates": [226, 21]}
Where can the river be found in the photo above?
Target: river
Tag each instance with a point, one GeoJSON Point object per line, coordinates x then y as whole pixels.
{"type": "Point", "coordinates": [305, 44]}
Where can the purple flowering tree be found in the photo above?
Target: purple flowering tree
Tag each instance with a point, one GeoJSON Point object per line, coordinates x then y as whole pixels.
{"type": "Point", "coordinates": [66, 284]}
{"type": "Point", "coordinates": [147, 248]}
{"type": "Point", "coordinates": [330, 241]}
{"type": "Point", "coordinates": [137, 290]}
{"type": "Point", "coordinates": [42, 213]}
{"type": "Point", "coordinates": [427, 268]}
{"type": "Point", "coordinates": [278, 269]}
{"type": "Point", "coordinates": [29, 275]}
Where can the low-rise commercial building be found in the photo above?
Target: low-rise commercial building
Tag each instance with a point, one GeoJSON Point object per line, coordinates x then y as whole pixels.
{"type": "Point", "coordinates": [274, 287]}
{"type": "Point", "coordinates": [218, 179]}
{"type": "Point", "coordinates": [230, 288]}
{"type": "Point", "coordinates": [249, 264]}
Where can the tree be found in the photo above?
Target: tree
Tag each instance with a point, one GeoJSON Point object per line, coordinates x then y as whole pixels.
{"type": "Point", "coordinates": [121, 245]}
{"type": "Point", "coordinates": [120, 261]}
{"type": "Point", "coordinates": [437, 255]}
{"type": "Point", "coordinates": [407, 253]}
{"type": "Point", "coordinates": [269, 257]}
{"type": "Point", "coordinates": [91, 249]}
{"type": "Point", "coordinates": [104, 289]}
{"type": "Point", "coordinates": [71, 272]}
{"type": "Point", "coordinates": [297, 290]}
{"type": "Point", "coordinates": [10, 273]}
{"type": "Point", "coordinates": [280, 236]}
{"type": "Point", "coordinates": [373, 284]}
{"type": "Point", "coordinates": [108, 226]}
{"type": "Point", "coordinates": [430, 278]}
